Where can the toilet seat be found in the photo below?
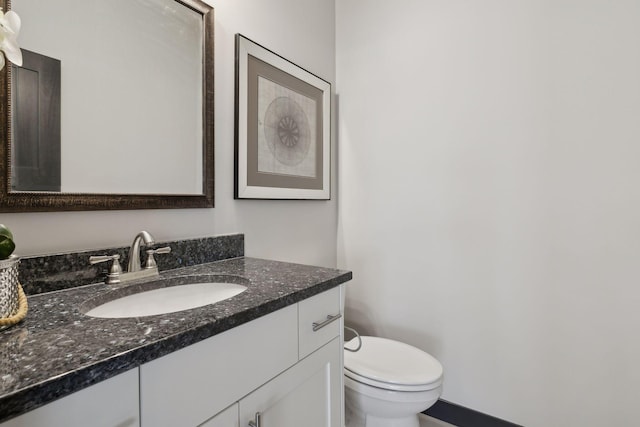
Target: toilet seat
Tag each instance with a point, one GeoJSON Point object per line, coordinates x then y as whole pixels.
{"type": "Point", "coordinates": [392, 365]}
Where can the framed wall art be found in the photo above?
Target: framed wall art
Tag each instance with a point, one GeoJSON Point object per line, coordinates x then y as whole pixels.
{"type": "Point", "coordinates": [283, 127]}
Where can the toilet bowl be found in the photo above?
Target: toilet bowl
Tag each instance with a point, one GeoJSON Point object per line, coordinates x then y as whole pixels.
{"type": "Point", "coordinates": [388, 383]}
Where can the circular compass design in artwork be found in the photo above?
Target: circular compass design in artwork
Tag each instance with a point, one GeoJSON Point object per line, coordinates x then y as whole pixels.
{"type": "Point", "coordinates": [287, 131]}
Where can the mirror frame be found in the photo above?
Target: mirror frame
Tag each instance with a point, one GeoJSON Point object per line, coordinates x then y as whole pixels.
{"type": "Point", "coordinates": [23, 201]}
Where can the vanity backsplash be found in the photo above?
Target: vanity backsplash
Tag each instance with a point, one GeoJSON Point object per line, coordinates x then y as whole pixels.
{"type": "Point", "coordinates": [55, 272]}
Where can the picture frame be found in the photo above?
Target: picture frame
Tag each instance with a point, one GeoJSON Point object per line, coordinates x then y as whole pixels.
{"type": "Point", "coordinates": [282, 127]}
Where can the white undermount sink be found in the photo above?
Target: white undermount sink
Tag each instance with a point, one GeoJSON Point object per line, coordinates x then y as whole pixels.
{"type": "Point", "coordinates": [165, 299]}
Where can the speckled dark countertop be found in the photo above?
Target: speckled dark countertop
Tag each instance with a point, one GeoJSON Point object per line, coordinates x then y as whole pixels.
{"type": "Point", "coordinates": [58, 350]}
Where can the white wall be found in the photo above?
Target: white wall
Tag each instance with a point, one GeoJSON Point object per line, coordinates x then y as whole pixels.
{"type": "Point", "coordinates": [489, 199]}
{"type": "Point", "coordinates": [300, 231]}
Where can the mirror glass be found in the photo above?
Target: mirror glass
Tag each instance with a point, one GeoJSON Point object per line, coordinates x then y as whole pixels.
{"type": "Point", "coordinates": [114, 98]}
{"type": "Point", "coordinates": [130, 86]}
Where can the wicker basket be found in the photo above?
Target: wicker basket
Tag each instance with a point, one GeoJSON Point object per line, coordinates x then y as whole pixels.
{"type": "Point", "coordinates": [13, 302]}
{"type": "Point", "coordinates": [9, 286]}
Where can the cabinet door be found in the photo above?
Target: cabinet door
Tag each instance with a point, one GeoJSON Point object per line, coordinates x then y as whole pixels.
{"type": "Point", "coordinates": [226, 418]}
{"type": "Point", "coordinates": [307, 394]}
{"type": "Point", "coordinates": [111, 403]}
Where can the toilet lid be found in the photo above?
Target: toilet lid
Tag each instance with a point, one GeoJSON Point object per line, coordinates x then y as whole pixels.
{"type": "Point", "coordinates": [391, 364]}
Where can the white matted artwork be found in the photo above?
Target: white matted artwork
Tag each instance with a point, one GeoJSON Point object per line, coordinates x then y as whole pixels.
{"type": "Point", "coordinates": [286, 130]}
{"type": "Point", "coordinates": [283, 131]}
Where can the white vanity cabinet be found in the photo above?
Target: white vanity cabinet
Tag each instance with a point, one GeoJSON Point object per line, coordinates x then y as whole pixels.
{"type": "Point", "coordinates": [110, 403]}
{"type": "Point", "coordinates": [274, 371]}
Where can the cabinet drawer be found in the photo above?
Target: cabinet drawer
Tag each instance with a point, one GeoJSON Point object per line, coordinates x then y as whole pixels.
{"type": "Point", "coordinates": [318, 309]}
{"type": "Point", "coordinates": [189, 386]}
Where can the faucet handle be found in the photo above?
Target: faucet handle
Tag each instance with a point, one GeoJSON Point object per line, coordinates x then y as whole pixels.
{"type": "Point", "coordinates": [151, 261]}
{"type": "Point", "coordinates": [114, 271]}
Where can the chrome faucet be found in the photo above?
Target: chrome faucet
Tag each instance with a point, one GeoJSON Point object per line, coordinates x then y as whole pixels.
{"type": "Point", "coordinates": [134, 250]}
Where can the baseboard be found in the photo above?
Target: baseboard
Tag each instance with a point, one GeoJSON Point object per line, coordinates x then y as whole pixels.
{"type": "Point", "coordinates": [464, 417]}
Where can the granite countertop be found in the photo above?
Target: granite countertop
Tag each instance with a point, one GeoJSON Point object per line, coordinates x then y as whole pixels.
{"type": "Point", "coordinates": [58, 350]}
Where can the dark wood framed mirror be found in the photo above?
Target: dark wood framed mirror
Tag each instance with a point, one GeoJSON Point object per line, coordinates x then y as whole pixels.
{"type": "Point", "coordinates": [187, 117]}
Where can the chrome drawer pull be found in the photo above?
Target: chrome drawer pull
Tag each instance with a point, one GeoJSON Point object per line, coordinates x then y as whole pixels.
{"type": "Point", "coordinates": [330, 318]}
{"type": "Point", "coordinates": [256, 423]}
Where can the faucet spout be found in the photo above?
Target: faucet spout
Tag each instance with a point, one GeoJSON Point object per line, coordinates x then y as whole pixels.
{"type": "Point", "coordinates": [134, 250]}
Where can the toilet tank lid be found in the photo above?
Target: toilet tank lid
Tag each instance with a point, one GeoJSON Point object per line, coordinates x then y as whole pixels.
{"type": "Point", "coordinates": [392, 362]}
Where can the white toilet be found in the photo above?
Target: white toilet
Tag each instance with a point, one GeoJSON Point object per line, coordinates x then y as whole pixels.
{"type": "Point", "coordinates": [387, 383]}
